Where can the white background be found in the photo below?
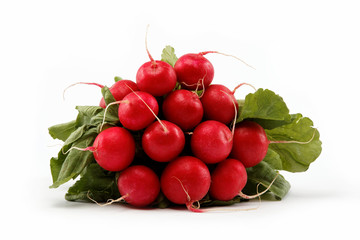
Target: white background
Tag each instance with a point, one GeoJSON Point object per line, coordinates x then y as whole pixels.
{"type": "Point", "coordinates": [306, 51]}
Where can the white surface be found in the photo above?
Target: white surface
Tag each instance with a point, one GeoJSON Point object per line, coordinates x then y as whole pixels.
{"type": "Point", "coordinates": [306, 51]}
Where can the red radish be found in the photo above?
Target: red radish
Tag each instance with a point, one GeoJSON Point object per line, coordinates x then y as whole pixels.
{"type": "Point", "coordinates": [194, 71]}
{"type": "Point", "coordinates": [250, 143]}
{"type": "Point", "coordinates": [227, 179]}
{"type": "Point", "coordinates": [185, 181]}
{"type": "Point", "coordinates": [119, 90]}
{"type": "Point", "coordinates": [218, 103]}
{"type": "Point", "coordinates": [155, 77]}
{"type": "Point", "coordinates": [113, 149]}
{"type": "Point", "coordinates": [183, 108]}
{"type": "Point", "coordinates": [138, 110]}
{"type": "Point", "coordinates": [138, 185]}
{"type": "Point", "coordinates": [211, 141]}
{"type": "Point", "coordinates": [163, 141]}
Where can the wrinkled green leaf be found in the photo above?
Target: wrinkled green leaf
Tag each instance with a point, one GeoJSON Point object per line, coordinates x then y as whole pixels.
{"type": "Point", "coordinates": [95, 181]}
{"type": "Point", "coordinates": [264, 104]}
{"type": "Point", "coordinates": [263, 173]}
{"type": "Point", "coordinates": [62, 131]}
{"type": "Point", "coordinates": [70, 165]}
{"type": "Point", "coordinates": [294, 157]}
{"type": "Point", "coordinates": [168, 55]}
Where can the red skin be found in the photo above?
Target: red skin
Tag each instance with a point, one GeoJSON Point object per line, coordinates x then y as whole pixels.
{"type": "Point", "coordinates": [250, 143]}
{"type": "Point", "coordinates": [185, 174]}
{"type": "Point", "coordinates": [227, 179]}
{"type": "Point", "coordinates": [139, 185]}
{"type": "Point", "coordinates": [163, 145]}
{"type": "Point", "coordinates": [119, 90]}
{"type": "Point", "coordinates": [211, 141]}
{"type": "Point", "coordinates": [183, 108]}
{"type": "Point", "coordinates": [134, 114]}
{"type": "Point", "coordinates": [191, 68]}
{"type": "Point", "coordinates": [114, 149]}
{"type": "Point", "coordinates": [218, 103]}
{"type": "Point", "coordinates": [156, 77]}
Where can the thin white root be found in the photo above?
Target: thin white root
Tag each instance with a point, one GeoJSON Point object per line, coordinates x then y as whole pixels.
{"type": "Point", "coordinates": [241, 194]}
{"type": "Point", "coordinates": [87, 83]}
{"type": "Point", "coordinates": [109, 201]}
{"type": "Point", "coordinates": [91, 149]}
{"type": "Point", "coordinates": [228, 55]}
{"type": "Point", "coordinates": [235, 117]}
{"type": "Point", "coordinates": [110, 104]}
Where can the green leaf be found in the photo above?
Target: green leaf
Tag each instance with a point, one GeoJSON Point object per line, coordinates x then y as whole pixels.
{"type": "Point", "coordinates": [112, 111]}
{"type": "Point", "coordinates": [117, 78]}
{"type": "Point", "coordinates": [62, 131]}
{"type": "Point", "coordinates": [168, 55]}
{"type": "Point", "coordinates": [263, 173]}
{"type": "Point", "coordinates": [294, 157]}
{"type": "Point", "coordinates": [98, 183]}
{"type": "Point", "coordinates": [70, 165]}
{"type": "Point", "coordinates": [264, 104]}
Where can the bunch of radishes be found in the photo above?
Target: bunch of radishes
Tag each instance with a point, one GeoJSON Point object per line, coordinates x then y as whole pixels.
{"type": "Point", "coordinates": [174, 135]}
{"type": "Point", "coordinates": [171, 107]}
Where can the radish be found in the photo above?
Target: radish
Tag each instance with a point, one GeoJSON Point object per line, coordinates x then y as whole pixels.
{"type": "Point", "coordinates": [218, 103]}
{"type": "Point", "coordinates": [119, 90]}
{"type": "Point", "coordinates": [155, 77]}
{"type": "Point", "coordinates": [194, 71]}
{"type": "Point", "coordinates": [113, 149]}
{"type": "Point", "coordinates": [137, 110]}
{"type": "Point", "coordinates": [228, 179]}
{"type": "Point", "coordinates": [138, 185]}
{"type": "Point", "coordinates": [185, 180]}
{"type": "Point", "coordinates": [163, 141]}
{"type": "Point", "coordinates": [183, 108]}
{"type": "Point", "coordinates": [251, 143]}
{"type": "Point", "coordinates": [211, 141]}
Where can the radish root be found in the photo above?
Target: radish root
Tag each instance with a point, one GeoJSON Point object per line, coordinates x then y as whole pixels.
{"type": "Point", "coordinates": [241, 194]}
{"type": "Point", "coordinates": [235, 117]}
{"type": "Point", "coordinates": [74, 84]}
{"type": "Point", "coordinates": [190, 203]}
{"type": "Point", "coordinates": [91, 149]}
{"type": "Point", "coordinates": [241, 84]}
{"type": "Point", "coordinates": [146, 46]}
{"type": "Point", "coordinates": [109, 201]}
{"type": "Point", "coordinates": [228, 55]}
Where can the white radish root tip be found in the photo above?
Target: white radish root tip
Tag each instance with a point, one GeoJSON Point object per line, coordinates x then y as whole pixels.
{"type": "Point", "coordinates": [146, 46]}
{"type": "Point", "coordinates": [109, 201]}
{"type": "Point", "coordinates": [241, 84]}
{"type": "Point", "coordinates": [74, 84]}
{"type": "Point", "coordinates": [91, 149]}
{"type": "Point", "coordinates": [235, 117]}
{"type": "Point", "coordinates": [107, 106]}
{"type": "Point", "coordinates": [241, 194]}
{"type": "Point", "coordinates": [228, 55]}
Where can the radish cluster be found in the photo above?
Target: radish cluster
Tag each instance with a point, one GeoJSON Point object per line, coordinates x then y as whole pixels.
{"type": "Point", "coordinates": [189, 133]}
